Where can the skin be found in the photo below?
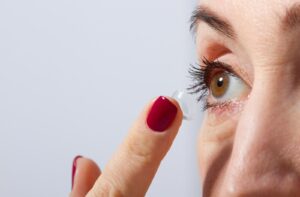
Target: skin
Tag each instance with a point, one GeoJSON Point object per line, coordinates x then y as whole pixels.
{"type": "Point", "coordinates": [254, 150]}
{"type": "Point", "coordinates": [249, 148]}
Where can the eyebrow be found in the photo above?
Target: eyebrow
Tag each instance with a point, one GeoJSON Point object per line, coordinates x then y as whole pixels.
{"type": "Point", "coordinates": [203, 13]}
{"type": "Point", "coordinates": [292, 17]}
{"type": "Point", "coordinates": [290, 20]}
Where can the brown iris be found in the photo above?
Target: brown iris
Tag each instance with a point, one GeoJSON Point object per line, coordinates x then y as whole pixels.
{"type": "Point", "coordinates": [219, 84]}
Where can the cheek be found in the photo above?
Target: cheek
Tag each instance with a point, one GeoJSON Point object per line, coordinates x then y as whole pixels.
{"type": "Point", "coordinates": [214, 145]}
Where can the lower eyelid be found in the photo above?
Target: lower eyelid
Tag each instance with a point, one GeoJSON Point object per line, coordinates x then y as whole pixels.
{"type": "Point", "coordinates": [226, 111]}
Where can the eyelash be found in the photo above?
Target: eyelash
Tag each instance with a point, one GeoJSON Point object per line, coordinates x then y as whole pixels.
{"type": "Point", "coordinates": [201, 76]}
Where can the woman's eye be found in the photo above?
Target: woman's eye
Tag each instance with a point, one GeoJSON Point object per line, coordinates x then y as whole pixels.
{"type": "Point", "coordinates": [217, 83]}
{"type": "Point", "coordinates": [225, 86]}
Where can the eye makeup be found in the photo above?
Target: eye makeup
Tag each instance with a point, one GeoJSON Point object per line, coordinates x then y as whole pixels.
{"type": "Point", "coordinates": [224, 111]}
{"type": "Point", "coordinates": [212, 82]}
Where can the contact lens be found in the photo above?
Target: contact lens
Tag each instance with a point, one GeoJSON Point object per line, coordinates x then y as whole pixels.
{"type": "Point", "coordinates": [186, 102]}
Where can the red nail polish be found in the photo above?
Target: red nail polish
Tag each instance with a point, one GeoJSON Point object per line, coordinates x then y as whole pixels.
{"type": "Point", "coordinates": [162, 114]}
{"type": "Point", "coordinates": [74, 168]}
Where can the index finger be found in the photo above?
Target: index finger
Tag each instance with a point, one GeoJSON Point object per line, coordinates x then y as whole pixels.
{"type": "Point", "coordinates": [132, 168]}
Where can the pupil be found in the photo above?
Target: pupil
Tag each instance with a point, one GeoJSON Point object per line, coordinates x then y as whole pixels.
{"type": "Point", "coordinates": [220, 82]}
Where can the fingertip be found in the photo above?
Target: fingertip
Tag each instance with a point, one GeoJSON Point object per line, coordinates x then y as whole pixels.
{"type": "Point", "coordinates": [74, 167]}
{"type": "Point", "coordinates": [162, 113]}
{"type": "Point", "coordinates": [84, 176]}
{"type": "Point", "coordinates": [179, 110]}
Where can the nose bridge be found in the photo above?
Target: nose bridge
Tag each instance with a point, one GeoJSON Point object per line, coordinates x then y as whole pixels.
{"type": "Point", "coordinates": [258, 161]}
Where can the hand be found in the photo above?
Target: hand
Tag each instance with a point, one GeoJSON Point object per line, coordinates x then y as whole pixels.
{"type": "Point", "coordinates": [133, 166]}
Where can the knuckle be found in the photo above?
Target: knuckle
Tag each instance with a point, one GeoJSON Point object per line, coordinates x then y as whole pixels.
{"type": "Point", "coordinates": [140, 152]}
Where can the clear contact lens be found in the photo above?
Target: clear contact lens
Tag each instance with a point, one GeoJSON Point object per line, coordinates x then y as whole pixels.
{"type": "Point", "coordinates": [187, 103]}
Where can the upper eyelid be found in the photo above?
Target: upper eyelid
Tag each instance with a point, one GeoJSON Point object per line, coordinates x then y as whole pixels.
{"type": "Point", "coordinates": [213, 47]}
{"type": "Point", "coordinates": [220, 64]}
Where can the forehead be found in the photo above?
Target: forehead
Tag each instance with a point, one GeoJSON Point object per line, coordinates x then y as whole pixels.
{"type": "Point", "coordinates": [246, 3]}
{"type": "Point", "coordinates": [257, 22]}
{"type": "Point", "coordinates": [257, 10]}
{"type": "Point", "coordinates": [239, 10]}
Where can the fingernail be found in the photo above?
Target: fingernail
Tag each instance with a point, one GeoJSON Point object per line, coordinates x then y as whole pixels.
{"type": "Point", "coordinates": [162, 114]}
{"type": "Point", "coordinates": [74, 168]}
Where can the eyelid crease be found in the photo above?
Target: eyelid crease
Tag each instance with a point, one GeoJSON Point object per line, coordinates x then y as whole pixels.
{"type": "Point", "coordinates": [219, 65]}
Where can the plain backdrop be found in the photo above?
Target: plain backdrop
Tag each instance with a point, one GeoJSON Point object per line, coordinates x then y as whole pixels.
{"type": "Point", "coordinates": [74, 75]}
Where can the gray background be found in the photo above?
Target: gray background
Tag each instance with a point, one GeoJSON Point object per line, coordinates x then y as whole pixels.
{"type": "Point", "coordinates": [75, 74]}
